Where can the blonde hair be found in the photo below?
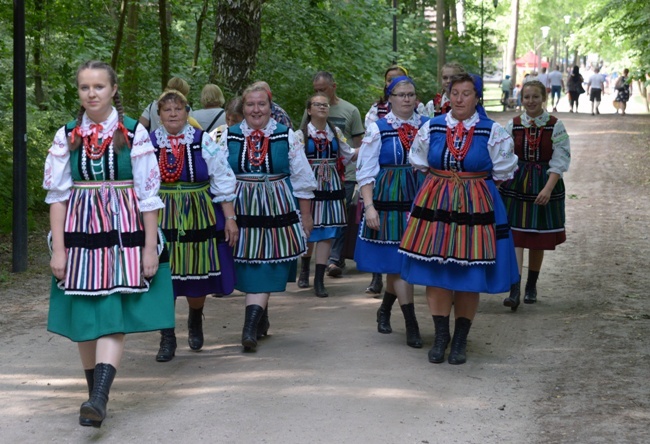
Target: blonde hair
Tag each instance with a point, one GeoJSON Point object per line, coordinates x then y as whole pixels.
{"type": "Point", "coordinates": [257, 86]}
{"type": "Point", "coordinates": [211, 96]}
{"type": "Point", "coordinates": [179, 85]}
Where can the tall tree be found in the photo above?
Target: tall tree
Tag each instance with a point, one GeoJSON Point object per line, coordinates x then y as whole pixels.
{"type": "Point", "coordinates": [39, 13]}
{"type": "Point", "coordinates": [119, 34]}
{"type": "Point", "coordinates": [199, 30]}
{"type": "Point", "coordinates": [236, 43]}
{"type": "Point", "coordinates": [440, 37]}
{"type": "Point", "coordinates": [164, 42]}
{"type": "Point", "coordinates": [130, 82]}
{"type": "Point", "coordinates": [511, 52]}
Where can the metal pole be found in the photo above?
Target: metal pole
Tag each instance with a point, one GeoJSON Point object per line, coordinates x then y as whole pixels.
{"type": "Point", "coordinates": [20, 142]}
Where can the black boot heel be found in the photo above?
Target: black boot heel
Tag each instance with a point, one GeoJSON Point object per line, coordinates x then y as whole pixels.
{"type": "Point", "coordinates": [195, 328]}
{"type": "Point", "coordinates": [413, 338]}
{"type": "Point", "coordinates": [251, 322]}
{"type": "Point", "coordinates": [383, 313]}
{"type": "Point", "coordinates": [94, 410]}
{"type": "Point", "coordinates": [514, 299]}
{"type": "Point", "coordinates": [264, 325]}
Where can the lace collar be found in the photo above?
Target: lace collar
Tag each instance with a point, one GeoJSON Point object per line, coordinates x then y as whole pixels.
{"type": "Point", "coordinates": [108, 126]}
{"type": "Point", "coordinates": [312, 130]}
{"type": "Point", "coordinates": [538, 121]}
{"type": "Point", "coordinates": [187, 133]}
{"type": "Point", "coordinates": [396, 122]}
{"type": "Point", "coordinates": [267, 130]}
{"type": "Point", "coordinates": [467, 123]}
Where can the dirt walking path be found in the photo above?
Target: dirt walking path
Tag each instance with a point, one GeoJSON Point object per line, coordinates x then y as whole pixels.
{"type": "Point", "coordinates": [573, 368]}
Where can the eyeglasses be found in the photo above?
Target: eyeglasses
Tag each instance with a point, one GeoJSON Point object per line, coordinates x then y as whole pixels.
{"type": "Point", "coordinates": [320, 105]}
{"type": "Point", "coordinates": [404, 95]}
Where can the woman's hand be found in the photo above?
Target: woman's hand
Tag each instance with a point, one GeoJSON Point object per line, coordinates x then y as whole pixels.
{"type": "Point", "coordinates": [149, 261]}
{"type": "Point", "coordinates": [543, 197]}
{"type": "Point", "coordinates": [307, 224]}
{"type": "Point", "coordinates": [58, 263]}
{"type": "Point", "coordinates": [372, 218]}
{"type": "Point", "coordinates": [232, 232]}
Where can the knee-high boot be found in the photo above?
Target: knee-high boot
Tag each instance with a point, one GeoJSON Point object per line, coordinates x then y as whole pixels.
{"type": "Point", "coordinates": [90, 381]}
{"type": "Point", "coordinates": [167, 349]}
{"type": "Point", "coordinates": [94, 409]}
{"type": "Point", "coordinates": [383, 313]}
{"type": "Point", "coordinates": [264, 325]}
{"type": "Point", "coordinates": [319, 284]}
{"type": "Point", "coordinates": [413, 338]}
{"type": "Point", "coordinates": [195, 328]}
{"type": "Point", "coordinates": [514, 299]}
{"type": "Point", "coordinates": [441, 341]}
{"type": "Point", "coordinates": [303, 279]}
{"type": "Point", "coordinates": [457, 355]}
{"type": "Point", "coordinates": [251, 322]}
{"type": "Point", "coordinates": [376, 284]}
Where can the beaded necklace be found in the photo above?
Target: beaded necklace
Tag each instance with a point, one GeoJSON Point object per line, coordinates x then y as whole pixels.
{"type": "Point", "coordinates": [406, 133]}
{"type": "Point", "coordinates": [533, 139]}
{"type": "Point", "coordinates": [320, 141]}
{"type": "Point", "coordinates": [257, 148]}
{"type": "Point", "coordinates": [465, 140]}
{"type": "Point", "coordinates": [171, 160]}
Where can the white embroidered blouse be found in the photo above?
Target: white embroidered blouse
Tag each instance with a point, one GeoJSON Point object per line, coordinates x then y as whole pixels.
{"type": "Point", "coordinates": [146, 174]}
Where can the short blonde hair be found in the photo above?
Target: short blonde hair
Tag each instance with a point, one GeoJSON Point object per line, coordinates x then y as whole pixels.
{"type": "Point", "coordinates": [179, 85]}
{"type": "Point", "coordinates": [212, 96]}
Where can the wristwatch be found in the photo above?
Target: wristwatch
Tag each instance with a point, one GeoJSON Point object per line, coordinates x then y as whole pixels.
{"type": "Point", "coordinates": [231, 217]}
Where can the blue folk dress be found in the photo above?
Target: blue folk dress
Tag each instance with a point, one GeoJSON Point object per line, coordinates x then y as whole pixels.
{"type": "Point", "coordinates": [383, 159]}
{"type": "Point", "coordinates": [458, 236]}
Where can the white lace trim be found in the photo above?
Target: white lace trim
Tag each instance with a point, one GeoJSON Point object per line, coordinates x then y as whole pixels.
{"type": "Point", "coordinates": [314, 135]}
{"type": "Point", "coordinates": [267, 130]}
{"type": "Point", "coordinates": [163, 142]}
{"type": "Point", "coordinates": [396, 122]}
{"type": "Point", "coordinates": [467, 123]}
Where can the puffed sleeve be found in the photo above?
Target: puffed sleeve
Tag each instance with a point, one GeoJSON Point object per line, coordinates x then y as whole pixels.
{"type": "Point", "coordinates": [222, 178]}
{"type": "Point", "coordinates": [368, 159]}
{"type": "Point", "coordinates": [302, 178]}
{"type": "Point", "coordinates": [57, 179]}
{"type": "Point", "coordinates": [508, 127]}
{"type": "Point", "coordinates": [146, 174]}
{"type": "Point", "coordinates": [430, 109]}
{"type": "Point", "coordinates": [421, 109]}
{"type": "Point", "coordinates": [419, 152]}
{"type": "Point", "coordinates": [371, 116]}
{"type": "Point", "coordinates": [561, 157]}
{"type": "Point", "coordinates": [502, 152]}
{"type": "Point", "coordinates": [346, 150]}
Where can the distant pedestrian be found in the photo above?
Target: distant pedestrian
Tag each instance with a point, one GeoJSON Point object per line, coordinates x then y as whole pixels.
{"type": "Point", "coordinates": [623, 91]}
{"type": "Point", "coordinates": [595, 90]}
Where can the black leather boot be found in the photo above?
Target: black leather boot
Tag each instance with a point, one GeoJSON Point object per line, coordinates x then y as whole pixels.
{"type": "Point", "coordinates": [457, 355]}
{"type": "Point", "coordinates": [167, 349]}
{"type": "Point", "coordinates": [514, 299]}
{"type": "Point", "coordinates": [94, 409]}
{"type": "Point", "coordinates": [319, 277]}
{"type": "Point", "coordinates": [303, 279]}
{"type": "Point", "coordinates": [264, 325]}
{"type": "Point", "coordinates": [249, 333]}
{"type": "Point", "coordinates": [376, 284]}
{"type": "Point", "coordinates": [195, 328]}
{"type": "Point", "coordinates": [383, 313]}
{"type": "Point", "coordinates": [413, 338]}
{"type": "Point", "coordinates": [441, 341]}
{"type": "Point", "coordinates": [530, 294]}
{"type": "Point", "coordinates": [90, 380]}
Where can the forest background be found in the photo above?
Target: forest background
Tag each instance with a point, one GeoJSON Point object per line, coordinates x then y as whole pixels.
{"type": "Point", "coordinates": [284, 42]}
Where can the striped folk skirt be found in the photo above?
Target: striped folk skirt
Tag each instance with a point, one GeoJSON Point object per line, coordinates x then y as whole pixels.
{"type": "Point", "coordinates": [271, 237]}
{"type": "Point", "coordinates": [104, 291]}
{"type": "Point", "coordinates": [458, 236]}
{"type": "Point", "coordinates": [194, 230]}
{"type": "Point", "coordinates": [377, 250]}
{"type": "Point", "coordinates": [328, 206]}
{"type": "Point", "coordinates": [538, 227]}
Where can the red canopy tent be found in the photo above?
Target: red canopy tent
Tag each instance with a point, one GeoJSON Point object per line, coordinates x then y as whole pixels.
{"type": "Point", "coordinates": [530, 61]}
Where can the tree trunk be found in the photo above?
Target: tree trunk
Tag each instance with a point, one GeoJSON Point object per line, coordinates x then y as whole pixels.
{"type": "Point", "coordinates": [164, 43]}
{"type": "Point", "coordinates": [453, 19]}
{"type": "Point", "coordinates": [197, 39]}
{"type": "Point", "coordinates": [120, 32]}
{"type": "Point", "coordinates": [129, 86]}
{"type": "Point", "coordinates": [440, 37]}
{"type": "Point", "coordinates": [39, 94]}
{"type": "Point", "coordinates": [239, 32]}
{"type": "Point", "coordinates": [511, 53]}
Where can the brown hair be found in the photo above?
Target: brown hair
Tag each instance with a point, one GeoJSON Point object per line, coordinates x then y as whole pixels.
{"type": "Point", "coordinates": [303, 128]}
{"type": "Point", "coordinates": [212, 96]}
{"type": "Point", "coordinates": [119, 139]}
{"type": "Point", "coordinates": [535, 84]}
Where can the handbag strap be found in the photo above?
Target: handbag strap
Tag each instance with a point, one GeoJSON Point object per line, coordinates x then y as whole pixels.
{"type": "Point", "coordinates": [209, 128]}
